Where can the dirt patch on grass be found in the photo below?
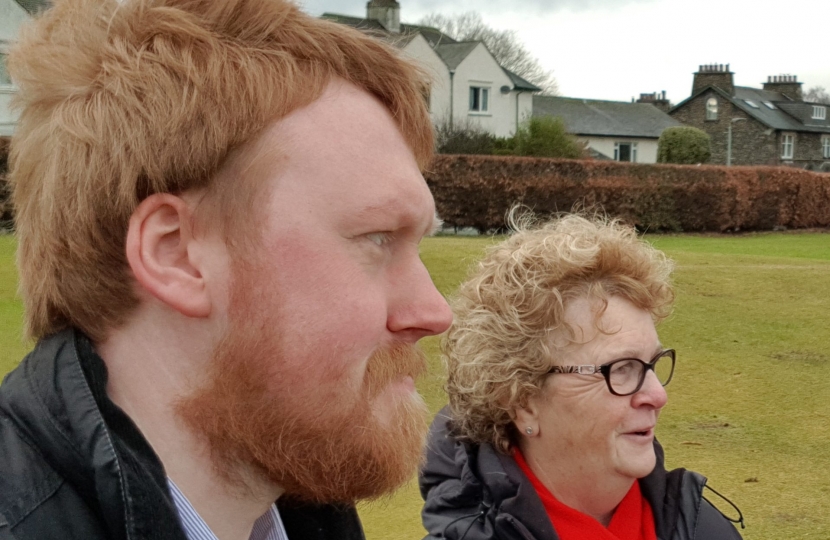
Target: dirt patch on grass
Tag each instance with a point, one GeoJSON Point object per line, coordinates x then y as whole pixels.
{"type": "Point", "coordinates": [714, 425]}
{"type": "Point", "coordinates": [801, 357]}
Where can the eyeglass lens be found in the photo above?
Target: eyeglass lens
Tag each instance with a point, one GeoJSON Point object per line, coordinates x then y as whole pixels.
{"type": "Point", "coordinates": [625, 375]}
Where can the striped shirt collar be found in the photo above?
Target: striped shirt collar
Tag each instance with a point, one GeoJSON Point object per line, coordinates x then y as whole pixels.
{"type": "Point", "coordinates": [267, 527]}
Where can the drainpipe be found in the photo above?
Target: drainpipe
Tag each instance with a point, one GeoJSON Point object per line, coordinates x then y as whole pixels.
{"type": "Point", "coordinates": [519, 93]}
{"type": "Point", "coordinates": [452, 97]}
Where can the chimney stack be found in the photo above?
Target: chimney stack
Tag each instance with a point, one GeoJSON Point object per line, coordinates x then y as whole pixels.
{"type": "Point", "coordinates": [658, 99]}
{"type": "Point", "coordinates": [386, 12]}
{"type": "Point", "coordinates": [714, 75]}
{"type": "Point", "coordinates": [787, 85]}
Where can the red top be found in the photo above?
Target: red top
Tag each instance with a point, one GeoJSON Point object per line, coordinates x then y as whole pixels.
{"type": "Point", "coordinates": [632, 520]}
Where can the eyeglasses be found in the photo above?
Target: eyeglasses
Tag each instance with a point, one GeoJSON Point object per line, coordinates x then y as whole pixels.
{"type": "Point", "coordinates": [626, 375]}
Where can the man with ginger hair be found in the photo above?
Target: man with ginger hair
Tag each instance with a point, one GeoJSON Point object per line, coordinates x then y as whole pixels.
{"type": "Point", "coordinates": [218, 208]}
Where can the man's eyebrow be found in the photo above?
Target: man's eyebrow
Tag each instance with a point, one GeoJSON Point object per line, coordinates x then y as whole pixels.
{"type": "Point", "coordinates": [395, 209]}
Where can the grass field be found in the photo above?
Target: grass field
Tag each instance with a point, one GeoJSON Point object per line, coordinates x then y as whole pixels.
{"type": "Point", "coordinates": [750, 401]}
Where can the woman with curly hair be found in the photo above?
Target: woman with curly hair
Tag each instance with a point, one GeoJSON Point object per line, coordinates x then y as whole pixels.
{"type": "Point", "coordinates": [556, 382]}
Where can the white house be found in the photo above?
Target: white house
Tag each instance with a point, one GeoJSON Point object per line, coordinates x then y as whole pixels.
{"type": "Point", "coordinates": [615, 130]}
{"type": "Point", "coordinates": [468, 87]}
{"type": "Point", "coordinates": [12, 15]}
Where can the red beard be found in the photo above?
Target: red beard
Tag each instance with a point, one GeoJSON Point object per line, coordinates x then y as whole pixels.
{"type": "Point", "coordinates": [323, 445]}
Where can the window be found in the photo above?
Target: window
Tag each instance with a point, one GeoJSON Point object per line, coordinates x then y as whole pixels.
{"type": "Point", "coordinates": [625, 151]}
{"type": "Point", "coordinates": [769, 105]}
{"type": "Point", "coordinates": [819, 113]}
{"type": "Point", "coordinates": [479, 97]}
{"type": "Point", "coordinates": [751, 104]}
{"type": "Point", "coordinates": [825, 146]}
{"type": "Point", "coordinates": [712, 109]}
{"type": "Point", "coordinates": [5, 80]}
{"type": "Point", "coordinates": [787, 145]}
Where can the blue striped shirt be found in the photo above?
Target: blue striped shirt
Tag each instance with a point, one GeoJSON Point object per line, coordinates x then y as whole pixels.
{"type": "Point", "coordinates": [267, 527]}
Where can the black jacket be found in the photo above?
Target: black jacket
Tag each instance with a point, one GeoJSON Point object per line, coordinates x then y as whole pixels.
{"type": "Point", "coordinates": [472, 492]}
{"type": "Point", "coordinates": [73, 466]}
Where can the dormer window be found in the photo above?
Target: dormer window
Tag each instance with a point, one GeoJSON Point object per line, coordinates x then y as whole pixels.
{"type": "Point", "coordinates": [712, 109]}
{"type": "Point", "coordinates": [819, 112]}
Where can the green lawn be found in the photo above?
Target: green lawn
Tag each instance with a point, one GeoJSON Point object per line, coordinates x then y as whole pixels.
{"type": "Point", "coordinates": [750, 401]}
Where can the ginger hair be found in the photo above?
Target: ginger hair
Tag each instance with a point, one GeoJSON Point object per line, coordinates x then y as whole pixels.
{"type": "Point", "coordinates": [121, 100]}
{"type": "Point", "coordinates": [499, 348]}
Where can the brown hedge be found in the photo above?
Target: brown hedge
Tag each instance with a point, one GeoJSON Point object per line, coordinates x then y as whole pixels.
{"type": "Point", "coordinates": [477, 191]}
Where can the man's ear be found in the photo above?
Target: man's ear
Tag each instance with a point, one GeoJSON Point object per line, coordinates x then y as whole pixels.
{"type": "Point", "coordinates": [160, 243]}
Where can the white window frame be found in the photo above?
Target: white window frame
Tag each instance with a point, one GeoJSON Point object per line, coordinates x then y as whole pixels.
{"type": "Point", "coordinates": [482, 99]}
{"type": "Point", "coordinates": [825, 146]}
{"type": "Point", "coordinates": [632, 152]}
{"type": "Point", "coordinates": [712, 108]}
{"type": "Point", "coordinates": [787, 145]}
{"type": "Point", "coordinates": [819, 112]}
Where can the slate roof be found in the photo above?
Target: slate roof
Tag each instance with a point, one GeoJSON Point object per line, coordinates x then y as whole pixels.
{"type": "Point", "coordinates": [605, 118]}
{"type": "Point", "coordinates": [432, 35]}
{"type": "Point", "coordinates": [34, 6]}
{"type": "Point", "coordinates": [520, 83]}
{"type": "Point", "coordinates": [787, 115]}
{"type": "Point", "coordinates": [454, 53]}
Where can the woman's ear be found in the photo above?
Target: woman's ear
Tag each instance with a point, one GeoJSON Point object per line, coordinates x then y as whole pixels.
{"type": "Point", "coordinates": [526, 417]}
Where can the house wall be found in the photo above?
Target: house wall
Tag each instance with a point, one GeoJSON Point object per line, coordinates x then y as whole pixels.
{"type": "Point", "coordinates": [439, 94]}
{"type": "Point", "coordinates": [807, 151]}
{"type": "Point", "coordinates": [481, 69]}
{"type": "Point", "coordinates": [646, 148]}
{"type": "Point", "coordinates": [752, 142]}
{"type": "Point", "coordinates": [12, 16]}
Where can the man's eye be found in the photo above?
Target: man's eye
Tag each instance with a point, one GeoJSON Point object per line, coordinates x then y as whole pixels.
{"type": "Point", "coordinates": [380, 238]}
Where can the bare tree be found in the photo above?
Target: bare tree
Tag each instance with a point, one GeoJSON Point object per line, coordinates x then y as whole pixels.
{"type": "Point", "coordinates": [817, 94]}
{"type": "Point", "coordinates": [505, 45]}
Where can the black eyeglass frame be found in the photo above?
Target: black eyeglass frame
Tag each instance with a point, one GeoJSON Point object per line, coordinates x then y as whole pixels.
{"type": "Point", "coordinates": [605, 370]}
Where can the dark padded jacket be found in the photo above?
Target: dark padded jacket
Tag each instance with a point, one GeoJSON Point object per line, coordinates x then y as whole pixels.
{"type": "Point", "coordinates": [472, 492]}
{"type": "Point", "coordinates": [73, 466]}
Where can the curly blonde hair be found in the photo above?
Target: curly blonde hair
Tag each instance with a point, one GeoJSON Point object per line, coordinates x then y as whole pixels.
{"type": "Point", "coordinates": [498, 350]}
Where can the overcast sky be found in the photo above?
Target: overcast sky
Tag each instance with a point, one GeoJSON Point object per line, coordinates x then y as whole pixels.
{"type": "Point", "coordinates": [617, 49]}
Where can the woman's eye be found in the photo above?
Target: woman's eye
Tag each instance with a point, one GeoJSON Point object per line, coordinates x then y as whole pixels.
{"type": "Point", "coordinates": [380, 238]}
{"type": "Point", "coordinates": [622, 367]}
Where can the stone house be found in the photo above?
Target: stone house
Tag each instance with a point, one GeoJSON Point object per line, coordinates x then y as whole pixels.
{"type": "Point", "coordinates": [615, 130]}
{"type": "Point", "coordinates": [467, 86]}
{"type": "Point", "coordinates": [772, 125]}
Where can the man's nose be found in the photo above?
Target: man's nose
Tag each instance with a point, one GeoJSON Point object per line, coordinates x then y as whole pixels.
{"type": "Point", "coordinates": [417, 309]}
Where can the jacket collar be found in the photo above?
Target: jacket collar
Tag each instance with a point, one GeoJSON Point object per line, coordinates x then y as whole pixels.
{"type": "Point", "coordinates": [57, 397]}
